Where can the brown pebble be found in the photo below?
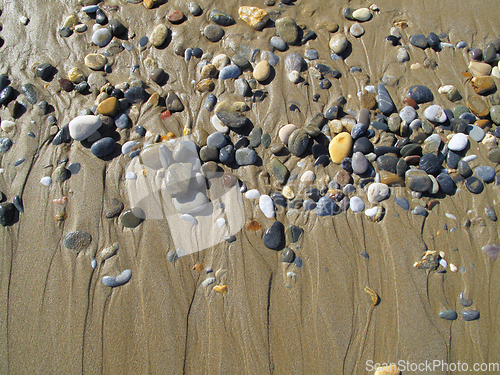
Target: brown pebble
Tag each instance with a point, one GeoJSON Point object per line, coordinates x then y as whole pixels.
{"type": "Point", "coordinates": [343, 177]}
{"type": "Point", "coordinates": [148, 3]}
{"type": "Point", "coordinates": [176, 17]}
{"type": "Point", "coordinates": [66, 84]}
{"type": "Point", "coordinates": [478, 107]}
{"type": "Point", "coordinates": [276, 148]}
{"type": "Point", "coordinates": [482, 85]}
{"type": "Point", "coordinates": [412, 159]}
{"type": "Point", "coordinates": [368, 100]}
{"type": "Point", "coordinates": [483, 124]}
{"type": "Point", "coordinates": [229, 180]}
{"type": "Point", "coordinates": [205, 85]}
{"type": "Point", "coordinates": [410, 102]}
{"type": "Point", "coordinates": [208, 71]}
{"type": "Point", "coordinates": [108, 107]}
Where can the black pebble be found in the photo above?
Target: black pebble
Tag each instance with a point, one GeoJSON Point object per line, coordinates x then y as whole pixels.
{"type": "Point", "coordinates": [100, 17]}
{"type": "Point", "coordinates": [7, 213]}
{"type": "Point", "coordinates": [274, 236]}
{"type": "Point", "coordinates": [474, 185]}
{"type": "Point", "coordinates": [65, 32]}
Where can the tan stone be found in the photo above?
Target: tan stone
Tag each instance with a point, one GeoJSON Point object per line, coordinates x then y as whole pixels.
{"type": "Point", "coordinates": [262, 71]}
{"type": "Point", "coordinates": [148, 3]}
{"type": "Point", "coordinates": [336, 126]}
{"type": "Point", "coordinates": [205, 85]}
{"type": "Point", "coordinates": [95, 61]}
{"type": "Point", "coordinates": [255, 17]}
{"type": "Point", "coordinates": [71, 22]}
{"type": "Point", "coordinates": [368, 100]}
{"type": "Point", "coordinates": [478, 107]}
{"type": "Point", "coordinates": [159, 35]}
{"type": "Point", "coordinates": [340, 147]}
{"type": "Point", "coordinates": [76, 75]}
{"type": "Point", "coordinates": [391, 179]}
{"type": "Point", "coordinates": [108, 107]}
{"type": "Point", "coordinates": [482, 84]}
{"type": "Point", "coordinates": [209, 71]}
{"type": "Point", "coordinates": [288, 192]}
{"type": "Point", "coordinates": [478, 68]}
{"type": "Point", "coordinates": [239, 107]}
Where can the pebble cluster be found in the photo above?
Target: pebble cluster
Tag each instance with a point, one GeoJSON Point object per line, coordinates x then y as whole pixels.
{"type": "Point", "coordinates": [378, 152]}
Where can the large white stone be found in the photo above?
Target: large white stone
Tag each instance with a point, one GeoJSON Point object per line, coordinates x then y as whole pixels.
{"type": "Point", "coordinates": [285, 132]}
{"type": "Point", "coordinates": [377, 192]}
{"type": "Point", "coordinates": [266, 205]}
{"type": "Point", "coordinates": [356, 204]}
{"type": "Point", "coordinates": [82, 127]}
{"type": "Point", "coordinates": [458, 142]}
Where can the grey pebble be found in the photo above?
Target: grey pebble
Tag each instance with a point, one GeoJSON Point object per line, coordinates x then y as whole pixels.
{"type": "Point", "coordinates": [470, 315]}
{"type": "Point", "coordinates": [77, 240]}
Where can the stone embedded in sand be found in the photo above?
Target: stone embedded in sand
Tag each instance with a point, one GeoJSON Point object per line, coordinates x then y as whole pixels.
{"type": "Point", "coordinates": [274, 236]}
{"type": "Point", "coordinates": [287, 29]}
{"type": "Point", "coordinates": [82, 127]}
{"type": "Point", "coordinates": [77, 240]}
{"type": "Point", "coordinates": [385, 103]}
{"type": "Point", "coordinates": [470, 315]}
{"type": "Point", "coordinates": [103, 147]}
{"type": "Point", "coordinates": [419, 40]}
{"type": "Point", "coordinates": [44, 70]}
{"type": "Point", "coordinates": [494, 155]}
{"type": "Point", "coordinates": [285, 132]}
{"type": "Point", "coordinates": [298, 142]}
{"type": "Point", "coordinates": [229, 72]}
{"type": "Point", "coordinates": [430, 163]}
{"type": "Point", "coordinates": [474, 185]}
{"type": "Point", "coordinates": [417, 180]}
{"type": "Point", "coordinates": [340, 147]}
{"type": "Point", "coordinates": [280, 171]}
{"type": "Point", "coordinates": [492, 250]}
{"type": "Point", "coordinates": [360, 163]}
{"type": "Point", "coordinates": [221, 18]}
{"type": "Point", "coordinates": [377, 192]}
{"type": "Point", "coordinates": [362, 14]}
{"type": "Point", "coordinates": [262, 71]}
{"type": "Point", "coordinates": [458, 142]}
{"type": "Point", "coordinates": [245, 156]}
{"type": "Point", "coordinates": [356, 30]}
{"type": "Point", "coordinates": [5, 144]}
{"type": "Point", "coordinates": [255, 17]}
{"type": "Point", "coordinates": [483, 84]}
{"type": "Point", "coordinates": [108, 107]}
{"type": "Point", "coordinates": [420, 94]}
{"type": "Point", "coordinates": [176, 17]}
{"type": "Point", "coordinates": [356, 204]}
{"type": "Point", "coordinates": [7, 213]}
{"type": "Point", "coordinates": [213, 33]}
{"type": "Point", "coordinates": [478, 107]}
{"type": "Point", "coordinates": [479, 68]}
{"type": "Point", "coordinates": [338, 43]}
{"type": "Point", "coordinates": [485, 173]}
{"type": "Point", "coordinates": [159, 35]}
{"type": "Point", "coordinates": [121, 279]}
{"type": "Point", "coordinates": [266, 205]}
{"type": "Point", "coordinates": [287, 256]}
{"type": "Point", "coordinates": [101, 37]}
{"type": "Point", "coordinates": [446, 183]}
{"type": "Point", "coordinates": [327, 207]}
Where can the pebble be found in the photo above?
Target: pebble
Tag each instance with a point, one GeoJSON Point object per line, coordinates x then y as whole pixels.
{"type": "Point", "coordinates": [470, 315]}
{"type": "Point", "coordinates": [103, 147]}
{"type": "Point", "coordinates": [311, 54]}
{"type": "Point", "coordinates": [194, 8]}
{"type": "Point", "coordinates": [82, 127]}
{"type": "Point", "coordinates": [458, 142]}
{"type": "Point", "coordinates": [229, 72]}
{"type": "Point", "coordinates": [377, 192]}
{"type": "Point", "coordinates": [430, 163]}
{"type": "Point", "coordinates": [417, 180]}
{"type": "Point", "coordinates": [287, 256]}
{"type": "Point", "coordinates": [255, 17]}
{"type": "Point", "coordinates": [189, 218]}
{"type": "Point", "coordinates": [385, 103]}
{"type": "Point", "coordinates": [476, 133]}
{"type": "Point", "coordinates": [446, 183]}
{"type": "Point", "coordinates": [159, 35]}
{"type": "Point", "coordinates": [213, 33]}
{"type": "Point", "coordinates": [435, 113]}
{"type": "Point", "coordinates": [419, 40]}
{"type": "Point", "coordinates": [5, 144]}
{"type": "Point", "coordinates": [252, 194]}
{"type": "Point", "coordinates": [420, 94]}
{"type": "Point", "coordinates": [132, 217]}
{"type": "Point", "coordinates": [122, 121]}
{"type": "Point", "coordinates": [490, 213]}
{"type": "Point", "coordinates": [474, 185]}
{"type": "Point", "coordinates": [46, 181]}
{"type": "Point", "coordinates": [210, 102]}
{"type": "Point", "coordinates": [245, 156]}
{"type": "Point", "coordinates": [308, 176]}
{"type": "Point", "coordinates": [420, 211]}
{"type": "Point", "coordinates": [340, 147]}
{"type": "Point", "coordinates": [403, 55]}
{"type": "Point", "coordinates": [77, 240]}
{"type": "Point", "coordinates": [217, 140]}
{"type": "Point", "coordinates": [360, 163]}
{"type": "Point", "coordinates": [287, 29]}
{"type": "Point", "coordinates": [485, 173]}
{"type": "Point", "coordinates": [136, 95]}
{"type": "Point", "coordinates": [7, 213]}
{"type": "Point", "coordinates": [356, 30]}
{"type": "Point", "coordinates": [483, 85]}
{"type": "Point", "coordinates": [362, 14]}
{"type": "Point", "coordinates": [356, 204]}
{"type": "Point", "coordinates": [338, 43]}
{"type": "Point", "coordinates": [221, 18]}
{"type": "Point", "coordinates": [298, 142]}
{"type": "Point", "coordinates": [267, 206]}
{"type": "Point", "coordinates": [326, 207]}
{"type": "Point", "coordinates": [262, 71]}
{"type": "Point", "coordinates": [277, 43]}
{"type": "Point", "coordinates": [494, 155]}
{"type": "Point", "coordinates": [448, 314]}
{"type": "Point", "coordinates": [101, 37]}
{"type": "Point", "coordinates": [119, 280]}
{"type": "Point", "coordinates": [402, 202]}
{"type": "Point", "coordinates": [274, 236]}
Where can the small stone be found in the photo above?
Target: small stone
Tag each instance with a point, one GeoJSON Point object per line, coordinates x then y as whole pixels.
{"type": "Point", "coordinates": [274, 236]}
{"type": "Point", "coordinates": [95, 61]}
{"type": "Point", "coordinates": [476, 133]}
{"type": "Point", "coordinates": [287, 29]}
{"type": "Point", "coordinates": [419, 40]}
{"type": "Point", "coordinates": [453, 95]}
{"type": "Point", "coordinates": [176, 17]}
{"type": "Point", "coordinates": [158, 76]}
{"type": "Point", "coordinates": [403, 55]}
{"type": "Point", "coordinates": [159, 35]}
{"type": "Point", "coordinates": [280, 171]}
{"type": "Point", "coordinates": [446, 183]}
{"type": "Point", "coordinates": [326, 207]}
{"type": "Point", "coordinates": [478, 107]}
{"type": "Point", "coordinates": [44, 71]}
{"type": "Point", "coordinates": [217, 140]}
{"type": "Point", "coordinates": [420, 94]}
{"type": "Point", "coordinates": [340, 147]}
{"type": "Point", "coordinates": [5, 144]}
{"type": "Point", "coordinates": [479, 68]}
{"type": "Point", "coordinates": [194, 8]}
{"type": "Point", "coordinates": [360, 163]}
{"type": "Point", "coordinates": [377, 192]}
{"type": "Point", "coordinates": [494, 155]}
{"type": "Point", "coordinates": [82, 127]}
{"type": "Point", "coordinates": [298, 142]}
{"type": "Point", "coordinates": [356, 204]}
{"type": "Point", "coordinates": [483, 85]}
{"type": "Point", "coordinates": [485, 173]}
{"type": "Point", "coordinates": [402, 202]}
{"type": "Point", "coordinates": [132, 217]}
{"type": "Point", "coordinates": [255, 17]}
{"type": "Point", "coordinates": [103, 147]}
{"type": "Point", "coordinates": [65, 32]}
{"type": "Point", "coordinates": [448, 314]}
{"type": "Point", "coordinates": [435, 113]}
{"type": "Point", "coordinates": [262, 71]}
{"type": "Point", "coordinates": [255, 136]}
{"type": "Point", "coordinates": [490, 213]}
{"type": "Point", "coordinates": [356, 30]}
{"type": "Point", "coordinates": [101, 37]}
{"type": "Point", "coordinates": [338, 43]}
{"type": "Point", "coordinates": [213, 33]}
{"type": "Point", "coordinates": [226, 155]}
{"type": "Point", "coordinates": [385, 103]}
{"type": "Point", "coordinates": [229, 72]}
{"type": "Point", "coordinates": [7, 214]}
{"type": "Point", "coordinates": [287, 256]}
{"type": "Point", "coordinates": [470, 315]}
{"type": "Point", "coordinates": [116, 27]}
{"type": "Point", "coordinates": [77, 240]}
{"type": "Point", "coordinates": [108, 107]}
{"type": "Point", "coordinates": [430, 163]}
{"type": "Point", "coordinates": [266, 205]}
{"type": "Point", "coordinates": [464, 169]}
{"type": "Point", "coordinates": [362, 14]}
{"type": "Point", "coordinates": [221, 18]}
{"type": "Point", "coordinates": [474, 185]}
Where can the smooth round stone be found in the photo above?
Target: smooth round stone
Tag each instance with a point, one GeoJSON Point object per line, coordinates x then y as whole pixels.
{"type": "Point", "coordinates": [356, 30]}
{"type": "Point", "coordinates": [485, 173]}
{"type": "Point", "coordinates": [494, 155]}
{"type": "Point", "coordinates": [323, 160]}
{"type": "Point", "coordinates": [285, 132]}
{"type": "Point", "coordinates": [230, 72]}
{"type": "Point", "coordinates": [377, 192]}
{"type": "Point", "coordinates": [233, 120]}
{"type": "Point", "coordinates": [116, 27]}
{"type": "Point", "coordinates": [82, 127]}
{"type": "Point", "coordinates": [421, 94]}
{"type": "Point", "coordinates": [245, 156]}
{"type": "Point", "coordinates": [474, 185]}
{"type": "Point", "coordinates": [363, 145]}
{"type": "Point", "coordinates": [332, 112]}
{"type": "Point", "coordinates": [470, 315]}
{"type": "Point", "coordinates": [452, 159]}
{"type": "Point", "coordinates": [44, 70]}
{"type": "Point", "coordinates": [476, 133]}
{"type": "Point", "coordinates": [103, 147]}
{"type": "Point", "coordinates": [280, 171]}
{"type": "Point", "coordinates": [65, 31]}
{"type": "Point", "coordinates": [308, 176]}
{"type": "Point", "coordinates": [132, 217]}
{"type": "Point", "coordinates": [458, 142]}
{"type": "Point", "coordinates": [262, 71]}
{"type": "Point", "coordinates": [217, 140]}
{"type": "Point", "coordinates": [435, 113]}
{"type": "Point", "coordinates": [419, 40]}
{"type": "Point", "coordinates": [385, 103]}
{"type": "Point", "coordinates": [403, 203]}
{"type": "Point", "coordinates": [210, 102]}
{"type": "Point", "coordinates": [122, 121]}
{"type": "Point", "coordinates": [209, 153]}
{"type": "Point", "coordinates": [464, 169]}
{"type": "Point", "coordinates": [287, 29]}
{"type": "Point", "coordinates": [420, 211]}
{"type": "Point", "coordinates": [325, 84]}
{"type": "Point", "coordinates": [287, 256]}
{"type": "Point", "coordinates": [387, 163]}
{"type": "Point", "coordinates": [127, 147]}
{"type": "Point", "coordinates": [159, 35]}
{"type": "Point", "coordinates": [5, 144]}
{"type": "Point", "coordinates": [408, 114]}
{"type": "Point", "coordinates": [298, 142]}
{"type": "Point", "coordinates": [278, 43]}
{"type": "Point", "coordinates": [340, 147]}
{"type": "Point", "coordinates": [359, 163]}
{"type": "Point", "coordinates": [46, 181]}
{"type": "Point", "coordinates": [338, 43]}
{"type": "Point", "coordinates": [448, 314]}
{"type": "Point", "coordinates": [213, 33]}
{"type": "Point", "coordinates": [101, 37]}
{"type": "Point", "coordinates": [326, 207]}
{"type": "Point", "coordinates": [417, 180]}
{"type": "Point", "coordinates": [356, 204]}
{"type": "Point", "coordinates": [362, 14]}
{"type": "Point", "coordinates": [255, 136]}
{"type": "Point", "coordinates": [266, 205]}
{"type": "Point", "coordinates": [495, 115]}
{"type": "Point", "coordinates": [311, 54]}
{"type": "Point", "coordinates": [252, 194]}
{"type": "Point", "coordinates": [468, 117]}
{"type": "Point", "coordinates": [7, 213]}
{"type": "Point", "coordinates": [274, 237]}
{"type": "Point", "coordinates": [430, 163]}
{"type": "Point", "coordinates": [221, 18]}
{"type": "Point", "coordinates": [77, 240]}
{"type": "Point", "coordinates": [136, 95]}
{"type": "Point", "coordinates": [446, 183]}
{"type": "Point", "coordinates": [461, 45]}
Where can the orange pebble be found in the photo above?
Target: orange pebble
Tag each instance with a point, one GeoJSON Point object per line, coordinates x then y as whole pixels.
{"type": "Point", "coordinates": [60, 217]}
{"type": "Point", "coordinates": [165, 114]}
{"type": "Point", "coordinates": [467, 74]}
{"type": "Point", "coordinates": [253, 225]}
{"type": "Point", "coordinates": [61, 201]}
{"type": "Point", "coordinates": [167, 137]}
{"type": "Point", "coordinates": [410, 102]}
{"type": "Point", "coordinates": [222, 289]}
{"type": "Point", "coordinates": [198, 267]}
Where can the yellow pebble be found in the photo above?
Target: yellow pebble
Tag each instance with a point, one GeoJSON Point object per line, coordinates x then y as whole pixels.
{"type": "Point", "coordinates": [222, 289]}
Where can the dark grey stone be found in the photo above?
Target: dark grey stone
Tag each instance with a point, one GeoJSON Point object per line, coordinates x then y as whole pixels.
{"type": "Point", "coordinates": [77, 240]}
{"type": "Point", "coordinates": [103, 147]}
{"type": "Point", "coordinates": [274, 236]}
{"type": "Point", "coordinates": [421, 94]}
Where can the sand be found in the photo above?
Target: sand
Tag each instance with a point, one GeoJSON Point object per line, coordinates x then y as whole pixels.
{"type": "Point", "coordinates": [57, 317]}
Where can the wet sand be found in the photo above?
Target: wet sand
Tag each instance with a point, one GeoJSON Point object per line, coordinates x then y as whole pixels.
{"type": "Point", "coordinates": [57, 317]}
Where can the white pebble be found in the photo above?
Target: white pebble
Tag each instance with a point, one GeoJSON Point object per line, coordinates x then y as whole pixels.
{"type": "Point", "coordinates": [109, 251]}
{"type": "Point", "coordinates": [308, 176]}
{"type": "Point", "coordinates": [356, 204]}
{"type": "Point", "coordinates": [93, 263]}
{"type": "Point", "coordinates": [469, 158]}
{"type": "Point", "coordinates": [24, 20]}
{"type": "Point", "coordinates": [445, 89]}
{"type": "Point", "coordinates": [8, 126]}
{"type": "Point", "coordinates": [266, 205]}
{"type": "Point", "coordinates": [46, 181]}
{"type": "Point", "coordinates": [127, 147]}
{"type": "Point", "coordinates": [293, 76]}
{"type": "Point", "coordinates": [220, 222]}
{"type": "Point", "coordinates": [377, 192]}
{"type": "Point", "coordinates": [453, 268]}
{"type": "Point", "coordinates": [130, 176]}
{"type": "Point", "coordinates": [252, 194]}
{"type": "Point", "coordinates": [371, 88]}
{"type": "Point", "coordinates": [450, 216]}
{"type": "Point", "coordinates": [371, 212]}
{"type": "Point", "coordinates": [208, 281]}
{"type": "Point", "coordinates": [218, 125]}
{"type": "Point", "coordinates": [291, 274]}
{"type": "Point", "coordinates": [443, 263]}
{"type": "Point", "coordinates": [121, 279]}
{"type": "Point", "coordinates": [458, 142]}
{"type": "Point", "coordinates": [189, 218]}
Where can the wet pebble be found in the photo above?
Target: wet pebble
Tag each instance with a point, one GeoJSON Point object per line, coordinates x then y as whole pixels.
{"type": "Point", "coordinates": [448, 314]}
{"type": "Point", "coordinates": [119, 280]}
{"type": "Point", "coordinates": [490, 213]}
{"type": "Point", "coordinates": [435, 113]}
{"type": "Point", "coordinates": [221, 18]}
{"type": "Point", "coordinates": [474, 185]}
{"type": "Point", "coordinates": [132, 217]}
{"type": "Point", "coordinates": [101, 37]}
{"type": "Point", "coordinates": [485, 173]}
{"type": "Point", "coordinates": [77, 240]}
{"type": "Point", "coordinates": [7, 213]}
{"type": "Point", "coordinates": [402, 202]}
{"type": "Point", "coordinates": [266, 205]}
{"type": "Point", "coordinates": [5, 144]}
{"type": "Point", "coordinates": [470, 315]}
{"type": "Point", "coordinates": [245, 156]}
{"type": "Point", "coordinates": [103, 147]}
{"type": "Point", "coordinates": [385, 103]}
{"type": "Point", "coordinates": [326, 207]}
{"type": "Point", "coordinates": [274, 236]}
{"type": "Point", "coordinates": [419, 40]}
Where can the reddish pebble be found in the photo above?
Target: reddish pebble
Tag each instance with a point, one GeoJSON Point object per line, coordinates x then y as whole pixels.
{"type": "Point", "coordinates": [165, 114]}
{"type": "Point", "coordinates": [412, 160]}
{"type": "Point", "coordinates": [410, 102]}
{"type": "Point", "coordinates": [176, 16]}
{"type": "Point", "coordinates": [229, 180]}
{"type": "Point", "coordinates": [66, 84]}
{"type": "Point", "coordinates": [62, 200]}
{"type": "Point", "coordinates": [253, 225]}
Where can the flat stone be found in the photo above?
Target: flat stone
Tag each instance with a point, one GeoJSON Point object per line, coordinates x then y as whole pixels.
{"type": "Point", "coordinates": [255, 17]}
{"type": "Point", "coordinates": [266, 205]}
{"type": "Point", "coordinates": [478, 107]}
{"type": "Point", "coordinates": [44, 71]}
{"type": "Point", "coordinates": [495, 114]}
{"type": "Point", "coordinates": [132, 217]}
{"type": "Point", "coordinates": [233, 120]}
{"type": "Point", "coordinates": [294, 62]}
{"type": "Point", "coordinates": [464, 169]}
{"type": "Point", "coordinates": [213, 33]}
{"type": "Point", "coordinates": [82, 127]}
{"type": "Point", "coordinates": [255, 136]}
{"type": "Point", "coordinates": [482, 85]}
{"type": "Point", "coordinates": [340, 147]}
{"type": "Point", "coordinates": [136, 94]}
{"type": "Point", "coordinates": [287, 29]}
{"type": "Point", "coordinates": [402, 202]}
{"type": "Point", "coordinates": [5, 144]}
{"type": "Point", "coordinates": [494, 155]}
{"type": "Point", "coordinates": [221, 18]}
{"type": "Point", "coordinates": [274, 237]}
{"type": "Point", "coordinates": [474, 185]}
{"type": "Point", "coordinates": [479, 68]}
{"type": "Point", "coordinates": [101, 37]}
{"type": "Point", "coordinates": [446, 183]}
{"type": "Point", "coordinates": [122, 121]}
{"type": "Point", "coordinates": [356, 204]}
{"type": "Point", "coordinates": [77, 240]}
{"type": "Point", "coordinates": [377, 192]}
{"type": "Point", "coordinates": [387, 163]}
{"type": "Point", "coordinates": [159, 35]}
{"type": "Point", "coordinates": [419, 40]}
{"type": "Point", "coordinates": [229, 72]}
{"type": "Point", "coordinates": [226, 154]}
{"type": "Point", "coordinates": [458, 142]}
{"type": "Point", "coordinates": [7, 213]}
{"type": "Point", "coordinates": [448, 314]}
{"type": "Point", "coordinates": [362, 14]}
{"type": "Point", "coordinates": [338, 43]}
{"type": "Point", "coordinates": [298, 142]}
{"type": "Point", "coordinates": [173, 102]}
{"type": "Point", "coordinates": [262, 71]}
{"type": "Point", "coordinates": [356, 30]}
{"type": "Point", "coordinates": [277, 43]}
{"type": "Point", "coordinates": [217, 140]}
{"type": "Point", "coordinates": [470, 315]}
{"type": "Point", "coordinates": [285, 132]}
{"type": "Point", "coordinates": [360, 163]}
{"type": "Point", "coordinates": [103, 147]}
{"type": "Point", "coordinates": [435, 113]}
{"type": "Point", "coordinates": [476, 133]}
{"type": "Point", "coordinates": [108, 107]}
{"type": "Point", "coordinates": [485, 173]}
{"type": "Point", "coordinates": [385, 103]}
{"type": "Point", "coordinates": [245, 156]}
{"type": "Point", "coordinates": [430, 163]}
{"type": "Point", "coordinates": [417, 180]}
{"type": "Point", "coordinates": [116, 27]}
